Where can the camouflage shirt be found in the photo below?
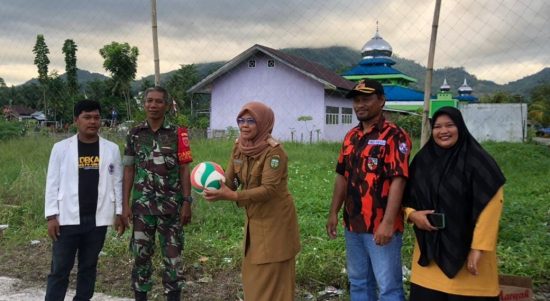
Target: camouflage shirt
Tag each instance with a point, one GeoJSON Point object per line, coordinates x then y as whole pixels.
{"type": "Point", "coordinates": [156, 157]}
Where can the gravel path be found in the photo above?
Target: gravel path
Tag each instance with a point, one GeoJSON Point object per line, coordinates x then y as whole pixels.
{"type": "Point", "coordinates": [13, 290]}
{"type": "Point", "coordinates": [542, 140]}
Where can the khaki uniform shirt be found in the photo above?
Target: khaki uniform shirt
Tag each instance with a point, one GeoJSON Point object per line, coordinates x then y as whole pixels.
{"type": "Point", "coordinates": [271, 229]}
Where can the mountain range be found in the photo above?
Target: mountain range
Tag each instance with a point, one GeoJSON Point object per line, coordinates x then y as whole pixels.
{"type": "Point", "coordinates": [340, 59]}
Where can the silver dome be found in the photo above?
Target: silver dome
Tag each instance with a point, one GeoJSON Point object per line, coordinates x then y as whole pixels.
{"type": "Point", "coordinates": [445, 86]}
{"type": "Point", "coordinates": [376, 47]}
{"type": "Point", "coordinates": [465, 89]}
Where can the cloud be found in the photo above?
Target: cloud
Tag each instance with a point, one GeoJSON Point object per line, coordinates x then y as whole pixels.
{"type": "Point", "coordinates": [497, 40]}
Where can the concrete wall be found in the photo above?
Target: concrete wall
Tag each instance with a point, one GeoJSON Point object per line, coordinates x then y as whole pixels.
{"type": "Point", "coordinates": [289, 93]}
{"type": "Point", "coordinates": [496, 122]}
{"type": "Point", "coordinates": [337, 132]}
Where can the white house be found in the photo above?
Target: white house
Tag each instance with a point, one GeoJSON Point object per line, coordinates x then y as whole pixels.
{"type": "Point", "coordinates": [295, 88]}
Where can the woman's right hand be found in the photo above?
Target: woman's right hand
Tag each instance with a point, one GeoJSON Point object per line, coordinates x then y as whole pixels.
{"type": "Point", "coordinates": [420, 220]}
{"type": "Point", "coordinates": [224, 193]}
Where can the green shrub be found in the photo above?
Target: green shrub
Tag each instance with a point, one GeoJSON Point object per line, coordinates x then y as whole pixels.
{"type": "Point", "coordinates": [11, 129]}
{"type": "Point", "coordinates": [411, 123]}
{"type": "Point", "coordinates": [202, 122]}
{"type": "Point", "coordinates": [179, 119]}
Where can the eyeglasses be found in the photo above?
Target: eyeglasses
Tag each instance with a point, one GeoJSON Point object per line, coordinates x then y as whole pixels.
{"type": "Point", "coordinates": [248, 121]}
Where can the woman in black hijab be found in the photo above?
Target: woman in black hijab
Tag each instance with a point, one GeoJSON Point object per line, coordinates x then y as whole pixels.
{"type": "Point", "coordinates": [454, 199]}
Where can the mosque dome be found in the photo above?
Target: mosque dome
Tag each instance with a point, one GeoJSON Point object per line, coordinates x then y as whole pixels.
{"type": "Point", "coordinates": [445, 86]}
{"type": "Point", "coordinates": [465, 89]}
{"type": "Point", "coordinates": [376, 47]}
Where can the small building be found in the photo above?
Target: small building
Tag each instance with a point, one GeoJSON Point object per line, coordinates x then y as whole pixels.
{"type": "Point", "coordinates": [39, 115]}
{"type": "Point", "coordinates": [17, 112]}
{"type": "Point", "coordinates": [308, 99]}
{"type": "Point", "coordinates": [444, 98]}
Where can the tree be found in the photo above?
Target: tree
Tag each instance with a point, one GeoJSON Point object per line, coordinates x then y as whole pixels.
{"type": "Point", "coordinates": [42, 61]}
{"type": "Point", "coordinates": [305, 119]}
{"type": "Point", "coordinates": [96, 89]}
{"type": "Point", "coordinates": [4, 93]}
{"type": "Point", "coordinates": [499, 97]}
{"type": "Point", "coordinates": [145, 84]}
{"type": "Point", "coordinates": [541, 93]}
{"type": "Point", "coordinates": [69, 49]}
{"type": "Point", "coordinates": [121, 62]}
{"type": "Point", "coordinates": [183, 79]}
{"type": "Point", "coordinates": [539, 109]}
{"type": "Point", "coordinates": [57, 92]}
{"type": "Point", "coordinates": [27, 95]}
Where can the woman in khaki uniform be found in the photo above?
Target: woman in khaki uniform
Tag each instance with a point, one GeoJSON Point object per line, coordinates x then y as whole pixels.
{"type": "Point", "coordinates": [258, 165]}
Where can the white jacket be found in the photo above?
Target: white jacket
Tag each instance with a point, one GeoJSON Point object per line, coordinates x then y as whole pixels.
{"type": "Point", "coordinates": [62, 183]}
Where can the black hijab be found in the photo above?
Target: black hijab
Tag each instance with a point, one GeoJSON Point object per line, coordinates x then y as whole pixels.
{"type": "Point", "coordinates": [458, 182]}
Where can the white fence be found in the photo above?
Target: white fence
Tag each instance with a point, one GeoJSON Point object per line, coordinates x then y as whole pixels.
{"type": "Point", "coordinates": [496, 122]}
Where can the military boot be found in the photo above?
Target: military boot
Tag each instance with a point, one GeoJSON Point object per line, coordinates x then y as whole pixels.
{"type": "Point", "coordinates": [140, 296]}
{"type": "Point", "coordinates": [173, 296]}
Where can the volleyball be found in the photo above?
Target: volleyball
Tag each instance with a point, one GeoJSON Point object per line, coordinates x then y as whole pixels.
{"type": "Point", "coordinates": [206, 175]}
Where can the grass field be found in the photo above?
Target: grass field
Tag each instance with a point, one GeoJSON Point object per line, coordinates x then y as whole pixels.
{"type": "Point", "coordinates": [213, 240]}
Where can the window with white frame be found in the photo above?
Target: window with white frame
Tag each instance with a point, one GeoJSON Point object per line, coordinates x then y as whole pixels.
{"type": "Point", "coordinates": [347, 115]}
{"type": "Point", "coordinates": [331, 116]}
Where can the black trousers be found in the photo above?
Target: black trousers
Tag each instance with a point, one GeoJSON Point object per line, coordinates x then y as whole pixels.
{"type": "Point", "coordinates": [84, 242]}
{"type": "Point", "coordinates": [420, 293]}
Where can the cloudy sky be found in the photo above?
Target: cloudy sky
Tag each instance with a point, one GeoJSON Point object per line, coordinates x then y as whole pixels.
{"type": "Point", "coordinates": [496, 40]}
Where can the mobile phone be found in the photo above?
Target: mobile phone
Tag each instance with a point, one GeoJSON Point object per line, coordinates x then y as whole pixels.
{"type": "Point", "coordinates": [437, 220]}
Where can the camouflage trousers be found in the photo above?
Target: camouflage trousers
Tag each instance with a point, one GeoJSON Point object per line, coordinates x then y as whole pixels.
{"type": "Point", "coordinates": [142, 246]}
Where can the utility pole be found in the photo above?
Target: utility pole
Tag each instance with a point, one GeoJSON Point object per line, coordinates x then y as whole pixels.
{"type": "Point", "coordinates": [155, 41]}
{"type": "Point", "coordinates": [425, 134]}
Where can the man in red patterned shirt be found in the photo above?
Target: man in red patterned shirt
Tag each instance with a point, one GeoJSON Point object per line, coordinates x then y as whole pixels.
{"type": "Point", "coordinates": [371, 173]}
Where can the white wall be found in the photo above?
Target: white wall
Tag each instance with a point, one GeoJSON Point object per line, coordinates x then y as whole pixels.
{"type": "Point", "coordinates": [337, 132]}
{"type": "Point", "coordinates": [289, 93]}
{"type": "Point", "coordinates": [496, 122]}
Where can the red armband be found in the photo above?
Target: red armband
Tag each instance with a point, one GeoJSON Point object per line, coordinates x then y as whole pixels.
{"type": "Point", "coordinates": [184, 150]}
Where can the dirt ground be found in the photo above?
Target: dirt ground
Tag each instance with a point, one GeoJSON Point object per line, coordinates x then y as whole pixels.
{"type": "Point", "coordinates": [30, 266]}
{"type": "Point", "coordinates": [27, 269]}
{"type": "Point", "coordinates": [15, 289]}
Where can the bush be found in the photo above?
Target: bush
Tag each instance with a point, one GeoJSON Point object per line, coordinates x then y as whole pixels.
{"type": "Point", "coordinates": [179, 119]}
{"type": "Point", "coordinates": [232, 132]}
{"type": "Point", "coordinates": [11, 129]}
{"type": "Point", "coordinates": [202, 122]}
{"type": "Point", "coordinates": [411, 123]}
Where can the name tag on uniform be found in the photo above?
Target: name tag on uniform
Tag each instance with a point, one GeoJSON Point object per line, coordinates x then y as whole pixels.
{"type": "Point", "coordinates": [377, 142]}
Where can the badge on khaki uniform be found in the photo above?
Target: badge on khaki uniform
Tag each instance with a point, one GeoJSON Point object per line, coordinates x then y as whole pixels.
{"type": "Point", "coordinates": [275, 161]}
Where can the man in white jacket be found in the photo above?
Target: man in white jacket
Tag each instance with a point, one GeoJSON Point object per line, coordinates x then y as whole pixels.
{"type": "Point", "coordinates": [83, 197]}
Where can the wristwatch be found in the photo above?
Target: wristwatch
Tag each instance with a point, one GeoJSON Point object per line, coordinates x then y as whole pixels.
{"type": "Point", "coordinates": [188, 199]}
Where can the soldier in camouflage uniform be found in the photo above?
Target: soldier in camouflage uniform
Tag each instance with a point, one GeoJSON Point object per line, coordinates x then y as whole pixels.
{"type": "Point", "coordinates": [156, 176]}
